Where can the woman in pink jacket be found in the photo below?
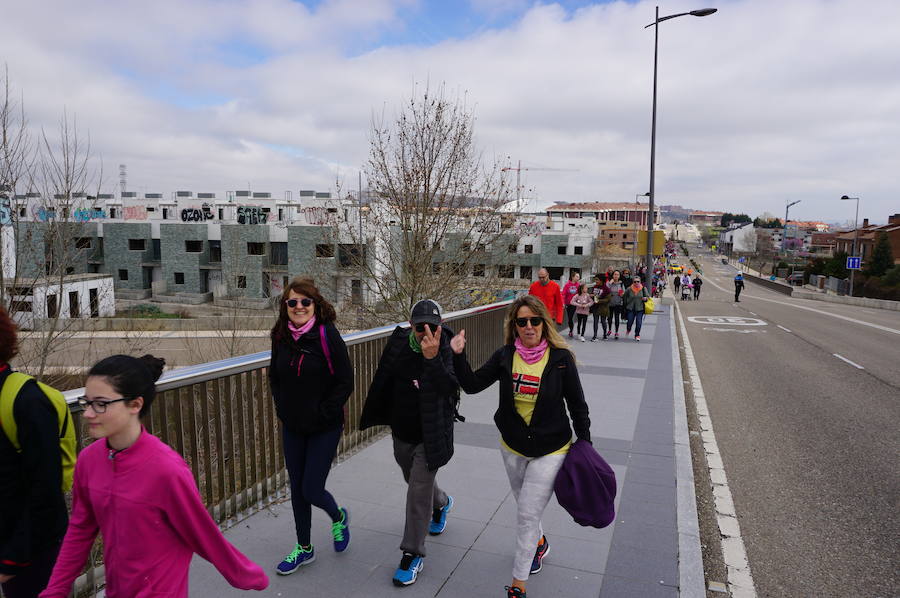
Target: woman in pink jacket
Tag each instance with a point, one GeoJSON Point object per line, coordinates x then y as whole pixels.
{"type": "Point", "coordinates": [568, 293]}
{"type": "Point", "coordinates": [140, 495]}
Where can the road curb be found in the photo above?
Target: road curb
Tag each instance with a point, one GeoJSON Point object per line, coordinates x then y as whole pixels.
{"type": "Point", "coordinates": [691, 579]}
{"type": "Point", "coordinates": [740, 579]}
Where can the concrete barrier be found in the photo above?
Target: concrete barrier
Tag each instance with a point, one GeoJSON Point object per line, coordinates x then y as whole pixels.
{"type": "Point", "coordinates": [236, 322]}
{"type": "Point", "coordinates": [858, 301]}
{"type": "Point", "coordinates": [771, 285]}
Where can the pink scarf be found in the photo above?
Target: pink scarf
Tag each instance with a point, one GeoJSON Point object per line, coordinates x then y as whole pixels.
{"type": "Point", "coordinates": [298, 332]}
{"type": "Point", "coordinates": [531, 354]}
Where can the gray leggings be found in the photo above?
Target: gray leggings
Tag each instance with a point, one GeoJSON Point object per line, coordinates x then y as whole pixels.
{"type": "Point", "coordinates": [531, 480]}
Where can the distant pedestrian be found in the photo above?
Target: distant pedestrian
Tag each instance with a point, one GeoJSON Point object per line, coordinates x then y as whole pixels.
{"type": "Point", "coordinates": [140, 495]}
{"type": "Point", "coordinates": [635, 297]}
{"type": "Point", "coordinates": [548, 291]}
{"type": "Point", "coordinates": [627, 278]}
{"type": "Point", "coordinates": [676, 283]}
{"type": "Point", "coordinates": [616, 303]}
{"type": "Point", "coordinates": [600, 308]}
{"type": "Point", "coordinates": [568, 292]}
{"type": "Point", "coordinates": [414, 391]}
{"type": "Point", "coordinates": [582, 302]}
{"type": "Point", "coordinates": [538, 383]}
{"type": "Point", "coordinates": [697, 282]}
{"type": "Point", "coordinates": [33, 513]}
{"type": "Point", "coordinates": [738, 287]}
{"type": "Point", "coordinates": [311, 379]}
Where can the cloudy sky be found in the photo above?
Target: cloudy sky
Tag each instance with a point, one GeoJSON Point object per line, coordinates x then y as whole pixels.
{"type": "Point", "coordinates": [763, 102]}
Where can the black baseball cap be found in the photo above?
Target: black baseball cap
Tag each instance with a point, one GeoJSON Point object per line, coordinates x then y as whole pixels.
{"type": "Point", "coordinates": [426, 311]}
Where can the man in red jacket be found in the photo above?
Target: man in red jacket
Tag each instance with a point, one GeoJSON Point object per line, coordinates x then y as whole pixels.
{"type": "Point", "coordinates": [548, 291]}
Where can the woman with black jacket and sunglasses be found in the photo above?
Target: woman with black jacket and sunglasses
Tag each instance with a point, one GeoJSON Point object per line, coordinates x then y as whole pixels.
{"type": "Point", "coordinates": [538, 381]}
{"type": "Point", "coordinates": [311, 379]}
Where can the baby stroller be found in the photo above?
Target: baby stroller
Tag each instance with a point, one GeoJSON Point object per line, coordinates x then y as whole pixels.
{"type": "Point", "coordinates": [687, 292]}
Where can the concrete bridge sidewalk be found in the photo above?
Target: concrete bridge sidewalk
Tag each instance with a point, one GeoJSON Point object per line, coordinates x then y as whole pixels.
{"type": "Point", "coordinates": [638, 425]}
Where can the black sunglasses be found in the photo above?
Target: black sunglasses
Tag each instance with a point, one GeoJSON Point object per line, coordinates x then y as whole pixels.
{"type": "Point", "coordinates": [305, 302]}
{"type": "Point", "coordinates": [99, 405]}
{"type": "Point", "coordinates": [421, 327]}
{"type": "Point", "coordinates": [535, 322]}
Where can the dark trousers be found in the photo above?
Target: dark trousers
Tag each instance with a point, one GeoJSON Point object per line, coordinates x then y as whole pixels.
{"type": "Point", "coordinates": [696, 292]}
{"type": "Point", "coordinates": [635, 319]}
{"type": "Point", "coordinates": [33, 580]}
{"type": "Point", "coordinates": [615, 312]}
{"type": "Point", "coordinates": [601, 320]}
{"type": "Point", "coordinates": [582, 323]}
{"type": "Point", "coordinates": [570, 313]}
{"type": "Point", "coordinates": [423, 495]}
{"type": "Point", "coordinates": [308, 460]}
{"type": "Point", "coordinates": [737, 293]}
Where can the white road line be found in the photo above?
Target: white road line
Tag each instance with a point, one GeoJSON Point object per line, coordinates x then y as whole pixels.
{"type": "Point", "coordinates": [740, 580]}
{"type": "Point", "coordinates": [842, 358]}
{"type": "Point", "coordinates": [752, 314]}
{"type": "Point", "coordinates": [818, 311]}
{"type": "Point", "coordinates": [783, 328]}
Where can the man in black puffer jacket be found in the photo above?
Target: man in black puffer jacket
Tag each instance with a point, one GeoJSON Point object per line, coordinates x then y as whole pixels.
{"type": "Point", "coordinates": [415, 392]}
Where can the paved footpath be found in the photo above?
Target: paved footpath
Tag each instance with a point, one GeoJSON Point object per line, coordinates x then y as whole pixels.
{"type": "Point", "coordinates": [638, 425]}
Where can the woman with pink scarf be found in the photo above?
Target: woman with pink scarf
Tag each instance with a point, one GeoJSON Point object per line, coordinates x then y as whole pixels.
{"type": "Point", "coordinates": [538, 381]}
{"type": "Point", "coordinates": [311, 379]}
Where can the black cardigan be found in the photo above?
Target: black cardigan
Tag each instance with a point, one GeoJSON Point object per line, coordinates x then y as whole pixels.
{"type": "Point", "coordinates": [437, 396]}
{"type": "Point", "coordinates": [308, 398]}
{"type": "Point", "coordinates": [550, 429]}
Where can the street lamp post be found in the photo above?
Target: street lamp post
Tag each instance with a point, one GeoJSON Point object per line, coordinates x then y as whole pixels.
{"type": "Point", "coordinates": [637, 226]}
{"type": "Point", "coordinates": [694, 13]}
{"type": "Point", "coordinates": [855, 235]}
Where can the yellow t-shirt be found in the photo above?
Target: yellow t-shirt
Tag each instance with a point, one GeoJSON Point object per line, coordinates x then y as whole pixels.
{"type": "Point", "coordinates": [526, 384]}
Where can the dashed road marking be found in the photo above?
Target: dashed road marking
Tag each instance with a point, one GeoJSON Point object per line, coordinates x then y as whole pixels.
{"type": "Point", "coordinates": [842, 358]}
{"type": "Point", "coordinates": [752, 314]}
{"type": "Point", "coordinates": [783, 328]}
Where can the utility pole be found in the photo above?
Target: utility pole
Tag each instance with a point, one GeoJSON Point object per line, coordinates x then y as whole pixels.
{"type": "Point", "coordinates": [519, 170]}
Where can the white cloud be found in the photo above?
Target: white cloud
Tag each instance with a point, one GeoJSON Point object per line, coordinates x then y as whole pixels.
{"type": "Point", "coordinates": [762, 102]}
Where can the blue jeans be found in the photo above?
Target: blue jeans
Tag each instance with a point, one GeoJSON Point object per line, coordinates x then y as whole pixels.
{"type": "Point", "coordinates": [308, 460]}
{"type": "Point", "coordinates": [635, 318]}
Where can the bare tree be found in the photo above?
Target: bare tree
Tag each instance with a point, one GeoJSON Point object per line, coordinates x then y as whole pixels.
{"type": "Point", "coordinates": [436, 221]}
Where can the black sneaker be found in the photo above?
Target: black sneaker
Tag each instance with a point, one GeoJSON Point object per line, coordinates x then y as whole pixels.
{"type": "Point", "coordinates": [539, 554]}
{"type": "Point", "coordinates": [514, 592]}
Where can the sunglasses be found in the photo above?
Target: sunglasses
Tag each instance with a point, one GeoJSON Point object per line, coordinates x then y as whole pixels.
{"type": "Point", "coordinates": [305, 302]}
{"type": "Point", "coordinates": [523, 322]}
{"type": "Point", "coordinates": [99, 405]}
{"type": "Point", "coordinates": [421, 327]}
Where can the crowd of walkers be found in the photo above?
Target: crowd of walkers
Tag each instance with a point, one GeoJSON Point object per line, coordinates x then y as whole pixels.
{"type": "Point", "coordinates": [140, 495]}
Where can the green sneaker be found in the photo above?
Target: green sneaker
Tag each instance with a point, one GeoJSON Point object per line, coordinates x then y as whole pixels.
{"type": "Point", "coordinates": [298, 557]}
{"type": "Point", "coordinates": [340, 530]}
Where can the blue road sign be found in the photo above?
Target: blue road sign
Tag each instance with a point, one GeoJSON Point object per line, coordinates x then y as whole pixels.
{"type": "Point", "coordinates": [741, 260]}
{"type": "Point", "coordinates": [854, 263]}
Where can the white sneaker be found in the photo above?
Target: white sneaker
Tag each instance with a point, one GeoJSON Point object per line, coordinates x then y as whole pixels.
{"type": "Point", "coordinates": [581, 338]}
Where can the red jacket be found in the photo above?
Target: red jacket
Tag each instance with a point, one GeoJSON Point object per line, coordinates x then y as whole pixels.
{"type": "Point", "coordinates": [551, 297]}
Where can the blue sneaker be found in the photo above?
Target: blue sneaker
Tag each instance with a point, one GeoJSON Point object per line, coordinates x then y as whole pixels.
{"type": "Point", "coordinates": [340, 530]}
{"type": "Point", "coordinates": [542, 550]}
{"type": "Point", "coordinates": [297, 558]}
{"type": "Point", "coordinates": [439, 519]}
{"type": "Point", "coordinates": [408, 571]}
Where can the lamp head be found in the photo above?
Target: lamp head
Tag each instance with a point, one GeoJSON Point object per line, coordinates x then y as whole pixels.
{"type": "Point", "coordinates": [703, 12]}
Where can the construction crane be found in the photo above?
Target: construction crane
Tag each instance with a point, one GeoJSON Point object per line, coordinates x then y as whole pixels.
{"type": "Point", "coordinates": [518, 168]}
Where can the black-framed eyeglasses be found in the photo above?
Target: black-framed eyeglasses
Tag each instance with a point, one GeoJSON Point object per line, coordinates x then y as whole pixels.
{"type": "Point", "coordinates": [99, 405]}
{"type": "Point", "coordinates": [420, 327]}
{"type": "Point", "coordinates": [535, 322]}
{"type": "Point", "coordinates": [305, 302]}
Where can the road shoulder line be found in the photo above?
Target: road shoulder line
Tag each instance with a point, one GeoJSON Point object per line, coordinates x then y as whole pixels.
{"type": "Point", "coordinates": [740, 579]}
{"type": "Point", "coordinates": [691, 578]}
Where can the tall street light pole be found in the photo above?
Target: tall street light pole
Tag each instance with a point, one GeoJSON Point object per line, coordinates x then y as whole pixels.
{"type": "Point", "coordinates": [694, 13]}
{"type": "Point", "coordinates": [637, 227]}
{"type": "Point", "coordinates": [855, 235]}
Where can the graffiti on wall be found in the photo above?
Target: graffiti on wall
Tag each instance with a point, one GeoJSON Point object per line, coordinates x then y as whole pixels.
{"type": "Point", "coordinates": [251, 215]}
{"type": "Point", "coordinates": [134, 213]}
{"type": "Point", "coordinates": [317, 216]}
{"type": "Point", "coordinates": [533, 228]}
{"type": "Point", "coordinates": [201, 214]}
{"type": "Point", "coordinates": [5, 211]}
{"type": "Point", "coordinates": [43, 214]}
{"type": "Point", "coordinates": [88, 214]}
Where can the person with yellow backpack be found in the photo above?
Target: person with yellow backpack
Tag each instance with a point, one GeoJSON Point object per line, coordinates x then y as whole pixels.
{"type": "Point", "coordinates": [37, 457]}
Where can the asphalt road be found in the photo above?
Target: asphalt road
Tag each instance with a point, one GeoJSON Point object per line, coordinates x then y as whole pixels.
{"type": "Point", "coordinates": [810, 442]}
